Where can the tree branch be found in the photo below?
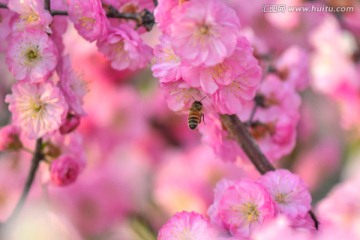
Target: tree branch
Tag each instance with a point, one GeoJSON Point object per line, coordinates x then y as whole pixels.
{"type": "Point", "coordinates": [37, 157]}
{"type": "Point", "coordinates": [240, 133]}
{"type": "Point", "coordinates": [143, 18]}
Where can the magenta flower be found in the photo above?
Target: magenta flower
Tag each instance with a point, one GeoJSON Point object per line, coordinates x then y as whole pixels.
{"type": "Point", "coordinates": [31, 55]}
{"type": "Point", "coordinates": [125, 49]}
{"type": "Point", "coordinates": [205, 33]}
{"type": "Point", "coordinates": [289, 192]}
{"type": "Point", "coordinates": [245, 206]}
{"type": "Point", "coordinates": [38, 109]}
{"type": "Point", "coordinates": [64, 170]}
{"type": "Point", "coordinates": [32, 15]}
{"type": "Point", "coordinates": [186, 225]}
{"type": "Point", "coordinates": [89, 19]}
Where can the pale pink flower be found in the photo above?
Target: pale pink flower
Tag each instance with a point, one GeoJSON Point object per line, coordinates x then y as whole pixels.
{"type": "Point", "coordinates": [288, 191]}
{"type": "Point", "coordinates": [205, 33]}
{"type": "Point", "coordinates": [125, 49]}
{"type": "Point", "coordinates": [213, 211]}
{"type": "Point", "coordinates": [231, 98]}
{"type": "Point", "coordinates": [275, 135]}
{"type": "Point", "coordinates": [64, 170]}
{"type": "Point", "coordinates": [280, 228]}
{"type": "Point", "coordinates": [279, 99]}
{"type": "Point", "coordinates": [241, 65]}
{"type": "Point", "coordinates": [72, 86]}
{"type": "Point", "coordinates": [293, 67]}
{"type": "Point", "coordinates": [341, 208]}
{"type": "Point", "coordinates": [165, 13]}
{"type": "Point", "coordinates": [245, 206]}
{"type": "Point", "coordinates": [10, 138]}
{"type": "Point", "coordinates": [179, 96]}
{"type": "Point", "coordinates": [38, 109]}
{"type": "Point", "coordinates": [32, 14]}
{"type": "Point", "coordinates": [31, 55]}
{"type": "Point", "coordinates": [186, 225]}
{"type": "Point", "coordinates": [218, 139]}
{"type": "Point", "coordinates": [89, 19]}
{"type": "Point", "coordinates": [167, 63]}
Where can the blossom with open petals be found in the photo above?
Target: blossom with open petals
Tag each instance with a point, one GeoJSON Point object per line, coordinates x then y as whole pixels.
{"type": "Point", "coordinates": [37, 108]}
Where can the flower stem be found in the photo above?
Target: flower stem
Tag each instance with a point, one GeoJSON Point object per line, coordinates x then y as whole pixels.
{"type": "Point", "coordinates": [37, 157]}
{"type": "Point", "coordinates": [240, 133]}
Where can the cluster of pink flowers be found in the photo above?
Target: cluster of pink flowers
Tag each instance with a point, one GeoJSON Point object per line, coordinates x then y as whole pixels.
{"type": "Point", "coordinates": [48, 96]}
{"type": "Point", "coordinates": [202, 53]}
{"type": "Point", "coordinates": [195, 58]}
{"type": "Point", "coordinates": [242, 208]}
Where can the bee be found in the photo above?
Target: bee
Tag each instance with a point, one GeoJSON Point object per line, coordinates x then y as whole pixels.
{"type": "Point", "coordinates": [195, 114]}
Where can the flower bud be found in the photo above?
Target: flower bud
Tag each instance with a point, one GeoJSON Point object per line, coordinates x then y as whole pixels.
{"type": "Point", "coordinates": [70, 124]}
{"type": "Point", "coordinates": [64, 170]}
{"type": "Point", "coordinates": [9, 138]}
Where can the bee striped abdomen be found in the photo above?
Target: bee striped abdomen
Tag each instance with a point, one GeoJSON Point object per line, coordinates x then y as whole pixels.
{"type": "Point", "coordinates": [194, 119]}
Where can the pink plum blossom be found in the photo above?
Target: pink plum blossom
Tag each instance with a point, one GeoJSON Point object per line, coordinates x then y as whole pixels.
{"type": "Point", "coordinates": [205, 33]}
{"type": "Point", "coordinates": [293, 67]}
{"type": "Point", "coordinates": [240, 67]}
{"type": "Point", "coordinates": [341, 208]}
{"type": "Point", "coordinates": [165, 12]}
{"type": "Point", "coordinates": [72, 86]}
{"type": "Point", "coordinates": [280, 228]}
{"type": "Point", "coordinates": [179, 96]}
{"type": "Point", "coordinates": [31, 55]}
{"type": "Point", "coordinates": [32, 15]}
{"type": "Point", "coordinates": [125, 49]}
{"type": "Point", "coordinates": [219, 140]}
{"type": "Point", "coordinates": [38, 109]}
{"type": "Point", "coordinates": [288, 191]}
{"type": "Point", "coordinates": [186, 225]}
{"type": "Point", "coordinates": [167, 64]}
{"type": "Point", "coordinates": [64, 170]}
{"type": "Point", "coordinates": [245, 206]}
{"type": "Point", "coordinates": [89, 19]}
{"type": "Point", "coordinates": [213, 211]}
{"type": "Point", "coordinates": [9, 138]}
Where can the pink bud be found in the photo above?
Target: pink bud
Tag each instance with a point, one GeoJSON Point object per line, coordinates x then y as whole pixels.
{"type": "Point", "coordinates": [9, 138]}
{"type": "Point", "coordinates": [64, 170]}
{"type": "Point", "coordinates": [70, 124]}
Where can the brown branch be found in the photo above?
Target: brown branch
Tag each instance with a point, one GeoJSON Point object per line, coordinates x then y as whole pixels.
{"type": "Point", "coordinates": [240, 133]}
{"type": "Point", "coordinates": [144, 18]}
{"type": "Point", "coordinates": [37, 157]}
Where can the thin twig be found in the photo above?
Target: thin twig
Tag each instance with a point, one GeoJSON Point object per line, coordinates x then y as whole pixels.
{"type": "Point", "coordinates": [252, 114]}
{"type": "Point", "coordinates": [37, 157]}
{"type": "Point", "coordinates": [156, 3]}
{"type": "Point", "coordinates": [3, 5]}
{"type": "Point", "coordinates": [143, 18]}
{"type": "Point", "coordinates": [47, 5]}
{"type": "Point", "coordinates": [239, 131]}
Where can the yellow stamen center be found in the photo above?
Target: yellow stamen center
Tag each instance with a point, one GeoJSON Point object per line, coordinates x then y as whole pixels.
{"type": "Point", "coordinates": [87, 22]}
{"type": "Point", "coordinates": [281, 198]}
{"type": "Point", "coordinates": [32, 55]}
{"type": "Point", "coordinates": [250, 212]}
{"type": "Point", "coordinates": [30, 18]}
